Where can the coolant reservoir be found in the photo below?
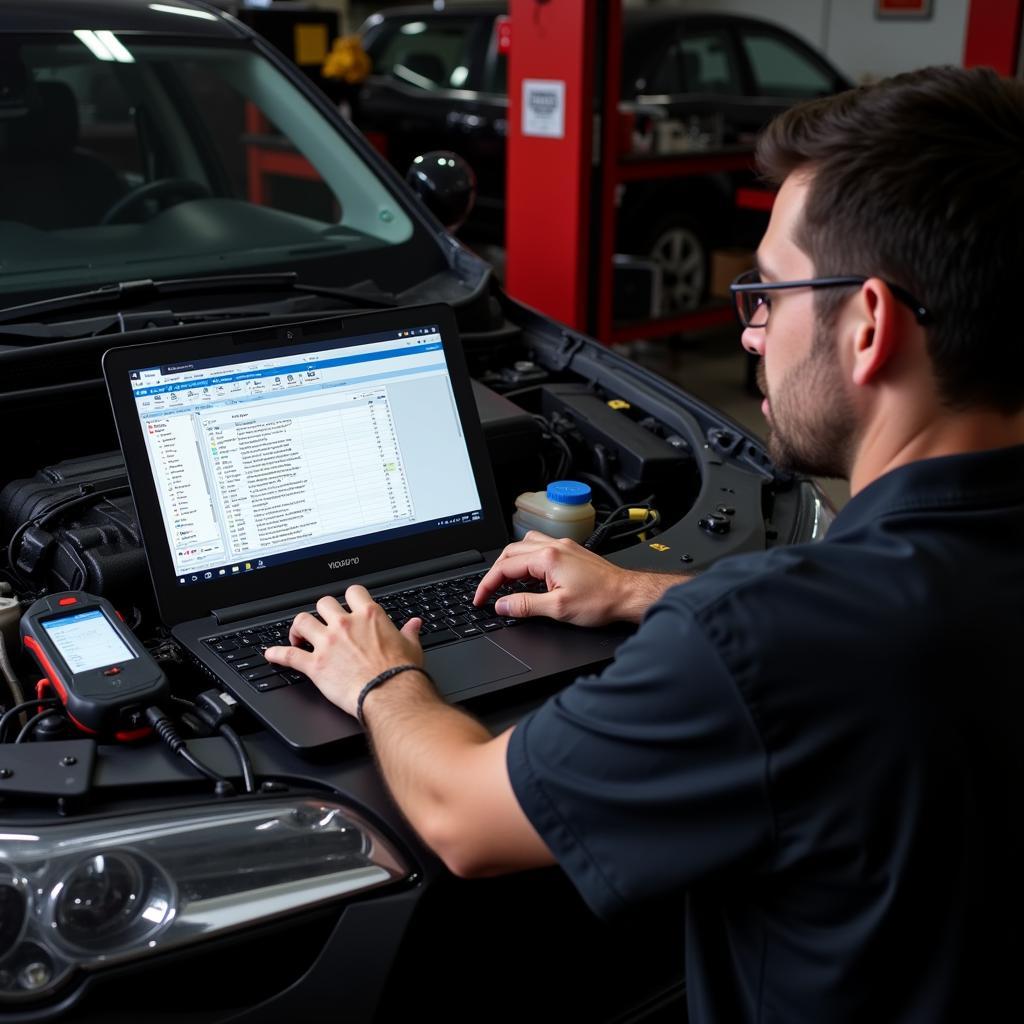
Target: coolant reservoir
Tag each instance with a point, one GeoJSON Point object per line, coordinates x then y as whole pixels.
{"type": "Point", "coordinates": [563, 510]}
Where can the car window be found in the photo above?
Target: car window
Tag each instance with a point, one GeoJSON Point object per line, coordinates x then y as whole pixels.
{"type": "Point", "coordinates": [428, 54]}
{"type": "Point", "coordinates": [106, 126]}
{"type": "Point", "coordinates": [114, 128]}
{"type": "Point", "coordinates": [102, 159]}
{"type": "Point", "coordinates": [780, 68]}
{"type": "Point", "coordinates": [260, 162]}
{"type": "Point", "coordinates": [699, 62]}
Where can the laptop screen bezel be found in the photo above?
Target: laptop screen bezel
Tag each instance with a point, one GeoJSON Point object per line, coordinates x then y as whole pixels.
{"type": "Point", "coordinates": [178, 603]}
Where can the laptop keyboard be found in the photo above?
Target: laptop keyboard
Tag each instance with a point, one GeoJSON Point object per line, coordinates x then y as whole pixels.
{"type": "Point", "coordinates": [446, 608]}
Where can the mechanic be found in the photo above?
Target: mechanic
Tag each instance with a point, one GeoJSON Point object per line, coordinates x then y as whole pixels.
{"type": "Point", "coordinates": [821, 745]}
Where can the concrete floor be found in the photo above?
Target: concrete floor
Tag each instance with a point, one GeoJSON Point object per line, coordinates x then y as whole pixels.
{"type": "Point", "coordinates": [711, 365]}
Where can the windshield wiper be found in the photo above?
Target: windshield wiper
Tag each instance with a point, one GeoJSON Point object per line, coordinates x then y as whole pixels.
{"type": "Point", "coordinates": [127, 293]}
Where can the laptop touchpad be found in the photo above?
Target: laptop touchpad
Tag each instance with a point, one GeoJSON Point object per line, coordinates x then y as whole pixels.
{"type": "Point", "coordinates": [468, 665]}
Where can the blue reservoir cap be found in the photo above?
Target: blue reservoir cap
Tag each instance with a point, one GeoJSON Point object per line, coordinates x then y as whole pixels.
{"type": "Point", "coordinates": [568, 492]}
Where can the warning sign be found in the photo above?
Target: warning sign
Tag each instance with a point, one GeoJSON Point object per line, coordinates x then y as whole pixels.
{"type": "Point", "coordinates": [544, 108]}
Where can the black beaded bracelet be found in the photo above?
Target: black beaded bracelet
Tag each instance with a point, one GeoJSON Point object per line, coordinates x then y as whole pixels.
{"type": "Point", "coordinates": [388, 673]}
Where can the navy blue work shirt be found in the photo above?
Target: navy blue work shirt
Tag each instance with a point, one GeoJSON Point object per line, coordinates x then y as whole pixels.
{"type": "Point", "coordinates": [822, 746]}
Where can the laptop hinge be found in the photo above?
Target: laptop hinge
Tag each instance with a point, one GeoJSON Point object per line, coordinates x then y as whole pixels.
{"type": "Point", "coordinates": [253, 609]}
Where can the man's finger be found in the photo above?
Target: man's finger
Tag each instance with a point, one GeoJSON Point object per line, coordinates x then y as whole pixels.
{"type": "Point", "coordinates": [330, 609]}
{"type": "Point", "coordinates": [512, 567]}
{"type": "Point", "coordinates": [524, 546]}
{"type": "Point", "coordinates": [358, 597]}
{"type": "Point", "coordinates": [523, 604]}
{"type": "Point", "coordinates": [306, 627]}
{"type": "Point", "coordinates": [288, 657]}
{"type": "Point", "coordinates": [411, 629]}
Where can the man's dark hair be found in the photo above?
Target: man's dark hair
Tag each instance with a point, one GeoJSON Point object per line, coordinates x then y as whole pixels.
{"type": "Point", "coordinates": [919, 179]}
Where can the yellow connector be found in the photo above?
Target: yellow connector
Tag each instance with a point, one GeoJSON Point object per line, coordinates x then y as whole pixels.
{"type": "Point", "coordinates": [618, 404]}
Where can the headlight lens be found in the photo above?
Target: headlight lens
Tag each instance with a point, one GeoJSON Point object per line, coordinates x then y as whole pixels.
{"type": "Point", "coordinates": [817, 511]}
{"type": "Point", "coordinates": [83, 895]}
{"type": "Point", "coordinates": [12, 913]}
{"type": "Point", "coordinates": [109, 901]}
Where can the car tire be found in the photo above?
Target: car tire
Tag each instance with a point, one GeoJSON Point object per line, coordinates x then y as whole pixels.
{"type": "Point", "coordinates": [680, 246]}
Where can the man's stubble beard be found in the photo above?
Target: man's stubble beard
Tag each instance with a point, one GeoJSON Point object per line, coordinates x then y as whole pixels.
{"type": "Point", "coordinates": [812, 428]}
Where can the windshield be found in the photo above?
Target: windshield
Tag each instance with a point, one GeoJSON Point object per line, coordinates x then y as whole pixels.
{"type": "Point", "coordinates": [126, 157]}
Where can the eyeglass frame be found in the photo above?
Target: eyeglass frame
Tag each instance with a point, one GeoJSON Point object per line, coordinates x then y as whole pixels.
{"type": "Point", "coordinates": [739, 286]}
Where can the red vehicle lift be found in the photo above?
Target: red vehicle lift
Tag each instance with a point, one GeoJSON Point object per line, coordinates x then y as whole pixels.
{"type": "Point", "coordinates": [994, 37]}
{"type": "Point", "coordinates": [566, 158]}
{"type": "Point", "coordinates": [563, 174]}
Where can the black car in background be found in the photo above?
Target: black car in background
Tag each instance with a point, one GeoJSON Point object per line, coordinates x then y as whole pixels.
{"type": "Point", "coordinates": [694, 82]}
{"type": "Point", "coordinates": [166, 173]}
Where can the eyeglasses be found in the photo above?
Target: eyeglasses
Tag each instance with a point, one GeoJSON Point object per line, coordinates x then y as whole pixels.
{"type": "Point", "coordinates": [753, 303]}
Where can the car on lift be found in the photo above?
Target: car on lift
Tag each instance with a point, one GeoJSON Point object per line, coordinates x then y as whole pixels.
{"type": "Point", "coordinates": [690, 82]}
{"type": "Point", "coordinates": [165, 173]}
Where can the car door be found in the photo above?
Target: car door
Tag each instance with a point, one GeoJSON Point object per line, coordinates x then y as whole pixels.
{"type": "Point", "coordinates": [438, 83]}
{"type": "Point", "coordinates": [694, 83]}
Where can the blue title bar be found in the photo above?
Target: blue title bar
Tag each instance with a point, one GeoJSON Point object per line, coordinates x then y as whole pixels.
{"type": "Point", "coordinates": [292, 368]}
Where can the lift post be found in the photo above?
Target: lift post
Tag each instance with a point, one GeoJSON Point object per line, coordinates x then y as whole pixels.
{"type": "Point", "coordinates": [550, 155]}
{"type": "Point", "coordinates": [567, 159]}
{"type": "Point", "coordinates": [994, 36]}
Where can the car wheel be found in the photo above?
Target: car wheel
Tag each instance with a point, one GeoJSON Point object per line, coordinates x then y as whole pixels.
{"type": "Point", "coordinates": [680, 250]}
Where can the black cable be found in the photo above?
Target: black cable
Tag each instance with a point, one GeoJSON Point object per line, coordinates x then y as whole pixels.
{"type": "Point", "coordinates": [612, 520]}
{"type": "Point", "coordinates": [601, 454]}
{"type": "Point", "coordinates": [164, 728]}
{"type": "Point", "coordinates": [214, 708]}
{"type": "Point", "coordinates": [603, 485]}
{"type": "Point", "coordinates": [243, 755]}
{"type": "Point", "coordinates": [50, 702]}
{"type": "Point", "coordinates": [647, 524]}
{"type": "Point", "coordinates": [224, 788]}
{"type": "Point", "coordinates": [565, 460]}
{"type": "Point", "coordinates": [32, 723]}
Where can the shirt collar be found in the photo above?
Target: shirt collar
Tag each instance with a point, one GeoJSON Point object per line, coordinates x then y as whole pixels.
{"type": "Point", "coordinates": [948, 481]}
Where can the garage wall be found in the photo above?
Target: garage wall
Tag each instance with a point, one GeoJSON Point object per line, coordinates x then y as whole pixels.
{"type": "Point", "coordinates": [863, 46]}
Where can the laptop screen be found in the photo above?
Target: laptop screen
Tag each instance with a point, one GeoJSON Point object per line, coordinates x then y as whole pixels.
{"type": "Point", "coordinates": [293, 452]}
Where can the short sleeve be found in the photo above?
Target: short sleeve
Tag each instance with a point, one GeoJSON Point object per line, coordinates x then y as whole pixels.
{"type": "Point", "coordinates": [649, 777]}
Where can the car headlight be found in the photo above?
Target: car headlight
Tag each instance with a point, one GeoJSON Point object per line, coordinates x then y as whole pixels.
{"type": "Point", "coordinates": [87, 894]}
{"type": "Point", "coordinates": [817, 513]}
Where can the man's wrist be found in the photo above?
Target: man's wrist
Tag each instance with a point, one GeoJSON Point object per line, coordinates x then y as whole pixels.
{"type": "Point", "coordinates": [390, 679]}
{"type": "Point", "coordinates": [646, 588]}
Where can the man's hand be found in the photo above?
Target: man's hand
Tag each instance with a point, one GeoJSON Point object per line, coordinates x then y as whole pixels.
{"type": "Point", "coordinates": [349, 648]}
{"type": "Point", "coordinates": [582, 587]}
{"type": "Point", "coordinates": [446, 771]}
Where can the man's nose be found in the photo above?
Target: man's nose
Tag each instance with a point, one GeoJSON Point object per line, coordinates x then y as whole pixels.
{"type": "Point", "coordinates": [752, 339]}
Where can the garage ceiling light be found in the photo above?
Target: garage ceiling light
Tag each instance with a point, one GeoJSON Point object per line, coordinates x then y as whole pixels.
{"type": "Point", "coordinates": [170, 9]}
{"type": "Point", "coordinates": [104, 45]}
{"type": "Point", "coordinates": [116, 47]}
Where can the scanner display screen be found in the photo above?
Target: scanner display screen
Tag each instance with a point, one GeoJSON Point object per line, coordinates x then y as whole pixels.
{"type": "Point", "coordinates": [87, 640]}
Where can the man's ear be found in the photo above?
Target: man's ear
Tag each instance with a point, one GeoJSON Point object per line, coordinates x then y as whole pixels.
{"type": "Point", "coordinates": [875, 331]}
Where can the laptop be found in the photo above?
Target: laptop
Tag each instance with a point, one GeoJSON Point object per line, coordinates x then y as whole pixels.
{"type": "Point", "coordinates": [274, 465]}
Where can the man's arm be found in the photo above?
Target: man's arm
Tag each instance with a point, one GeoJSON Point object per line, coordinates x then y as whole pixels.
{"type": "Point", "coordinates": [446, 772]}
{"type": "Point", "coordinates": [450, 778]}
{"type": "Point", "coordinates": [582, 587]}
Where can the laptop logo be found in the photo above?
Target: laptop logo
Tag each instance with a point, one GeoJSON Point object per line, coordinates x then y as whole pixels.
{"type": "Point", "coordinates": [342, 563]}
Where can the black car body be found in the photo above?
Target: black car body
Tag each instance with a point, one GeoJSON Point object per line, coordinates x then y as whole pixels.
{"type": "Point", "coordinates": [167, 174]}
{"type": "Point", "coordinates": [692, 82]}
